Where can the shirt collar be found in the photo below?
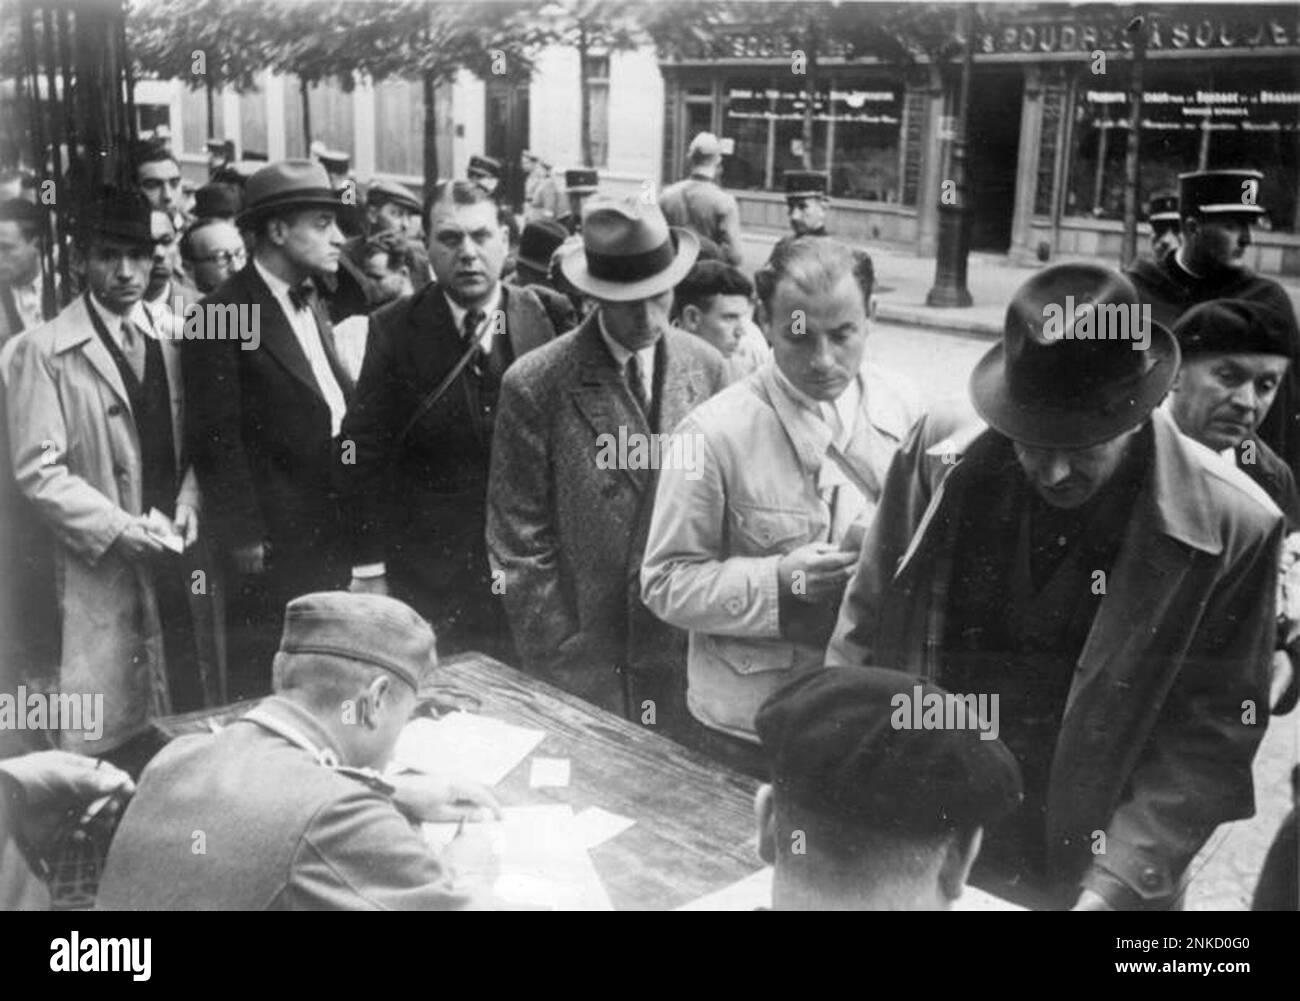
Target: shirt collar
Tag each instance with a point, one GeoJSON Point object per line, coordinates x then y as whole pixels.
{"type": "Point", "coordinates": [278, 286]}
{"type": "Point", "coordinates": [845, 405]}
{"type": "Point", "coordinates": [113, 322]}
{"type": "Point", "coordinates": [487, 309]}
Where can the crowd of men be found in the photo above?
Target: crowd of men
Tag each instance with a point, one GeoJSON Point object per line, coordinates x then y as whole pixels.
{"type": "Point", "coordinates": [587, 443]}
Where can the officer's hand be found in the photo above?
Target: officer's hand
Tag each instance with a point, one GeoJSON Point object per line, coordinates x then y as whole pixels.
{"type": "Point", "coordinates": [56, 782]}
{"type": "Point", "coordinates": [1090, 901]}
{"type": "Point", "coordinates": [429, 798]}
{"type": "Point", "coordinates": [816, 572]}
{"type": "Point", "coordinates": [249, 559]}
{"type": "Point", "coordinates": [369, 585]}
{"type": "Point", "coordinates": [471, 859]}
{"type": "Point", "coordinates": [135, 542]}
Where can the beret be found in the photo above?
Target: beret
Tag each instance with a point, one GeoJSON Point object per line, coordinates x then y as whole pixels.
{"type": "Point", "coordinates": [367, 628]}
{"type": "Point", "coordinates": [847, 743]}
{"type": "Point", "coordinates": [1233, 326]}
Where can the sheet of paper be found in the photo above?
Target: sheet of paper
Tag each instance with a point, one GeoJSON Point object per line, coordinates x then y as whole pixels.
{"type": "Point", "coordinates": [160, 527]}
{"type": "Point", "coordinates": [755, 890]}
{"type": "Point", "coordinates": [549, 772]}
{"type": "Point", "coordinates": [543, 861]}
{"type": "Point", "coordinates": [596, 826]}
{"type": "Point", "coordinates": [478, 748]}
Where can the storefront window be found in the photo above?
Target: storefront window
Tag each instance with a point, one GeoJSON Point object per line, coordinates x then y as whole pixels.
{"type": "Point", "coordinates": [1214, 116]}
{"type": "Point", "coordinates": [857, 125]}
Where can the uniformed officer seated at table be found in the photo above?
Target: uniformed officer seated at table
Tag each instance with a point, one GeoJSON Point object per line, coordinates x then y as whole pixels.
{"type": "Point", "coordinates": [864, 814]}
{"type": "Point", "coordinates": [285, 808]}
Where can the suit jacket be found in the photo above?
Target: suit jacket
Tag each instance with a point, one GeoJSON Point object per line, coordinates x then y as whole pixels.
{"type": "Point", "coordinates": [1265, 467]}
{"type": "Point", "coordinates": [76, 456]}
{"type": "Point", "coordinates": [756, 491]}
{"type": "Point", "coordinates": [700, 205]}
{"type": "Point", "coordinates": [260, 434]}
{"type": "Point", "coordinates": [566, 535]}
{"type": "Point", "coordinates": [1170, 291]}
{"type": "Point", "coordinates": [281, 830]}
{"type": "Point", "coordinates": [410, 495]}
{"type": "Point", "coordinates": [1154, 748]}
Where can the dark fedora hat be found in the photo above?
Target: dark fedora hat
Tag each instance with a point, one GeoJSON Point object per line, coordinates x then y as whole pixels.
{"type": "Point", "coordinates": [538, 242]}
{"type": "Point", "coordinates": [287, 184]}
{"type": "Point", "coordinates": [1053, 382]}
{"type": "Point", "coordinates": [119, 214]}
{"type": "Point", "coordinates": [219, 200]}
{"type": "Point", "coordinates": [628, 252]}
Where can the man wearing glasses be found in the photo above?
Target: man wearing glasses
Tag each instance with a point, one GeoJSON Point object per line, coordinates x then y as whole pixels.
{"type": "Point", "coordinates": [212, 250]}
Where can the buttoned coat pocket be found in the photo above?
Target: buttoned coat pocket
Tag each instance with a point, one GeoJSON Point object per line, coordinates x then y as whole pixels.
{"type": "Point", "coordinates": [762, 531]}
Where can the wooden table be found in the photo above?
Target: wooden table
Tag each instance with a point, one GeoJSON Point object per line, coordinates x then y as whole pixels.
{"type": "Point", "coordinates": [694, 831]}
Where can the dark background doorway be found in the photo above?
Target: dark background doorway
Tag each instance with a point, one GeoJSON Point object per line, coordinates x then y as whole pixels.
{"type": "Point", "coordinates": [506, 136]}
{"type": "Point", "coordinates": [993, 149]}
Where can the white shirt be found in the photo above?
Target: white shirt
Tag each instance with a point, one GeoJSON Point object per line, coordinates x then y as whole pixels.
{"type": "Point", "coordinates": [489, 325]}
{"type": "Point", "coordinates": [840, 415]}
{"type": "Point", "coordinates": [27, 301]}
{"type": "Point", "coordinates": [645, 360]}
{"type": "Point", "coordinates": [304, 328]}
{"type": "Point", "coordinates": [113, 322]}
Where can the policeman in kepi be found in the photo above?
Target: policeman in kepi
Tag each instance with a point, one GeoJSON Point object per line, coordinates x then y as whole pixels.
{"type": "Point", "coordinates": [807, 199]}
{"type": "Point", "coordinates": [1166, 227]}
{"type": "Point", "coordinates": [285, 809]}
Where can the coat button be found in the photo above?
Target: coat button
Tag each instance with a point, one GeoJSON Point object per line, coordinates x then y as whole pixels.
{"type": "Point", "coordinates": [119, 472]}
{"type": "Point", "coordinates": [1150, 878]}
{"type": "Point", "coordinates": [115, 410]}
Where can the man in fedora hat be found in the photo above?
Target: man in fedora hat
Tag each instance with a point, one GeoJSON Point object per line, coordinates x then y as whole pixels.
{"type": "Point", "coordinates": [699, 204]}
{"type": "Point", "coordinates": [1109, 579]}
{"type": "Point", "coordinates": [289, 799]}
{"type": "Point", "coordinates": [539, 241]}
{"type": "Point", "coordinates": [572, 480]}
{"type": "Point", "coordinates": [422, 423]}
{"type": "Point", "coordinates": [750, 547]}
{"type": "Point", "coordinates": [1218, 210]}
{"type": "Point", "coordinates": [97, 416]}
{"type": "Point", "coordinates": [264, 421]}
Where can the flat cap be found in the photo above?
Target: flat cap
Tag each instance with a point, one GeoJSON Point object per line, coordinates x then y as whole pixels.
{"type": "Point", "coordinates": [382, 192]}
{"type": "Point", "coordinates": [837, 745]}
{"type": "Point", "coordinates": [367, 628]}
{"type": "Point", "coordinates": [1233, 326]}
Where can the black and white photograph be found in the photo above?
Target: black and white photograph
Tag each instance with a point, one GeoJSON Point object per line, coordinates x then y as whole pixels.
{"type": "Point", "coordinates": [645, 455]}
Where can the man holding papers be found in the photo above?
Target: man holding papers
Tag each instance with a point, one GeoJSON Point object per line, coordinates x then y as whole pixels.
{"type": "Point", "coordinates": [285, 809]}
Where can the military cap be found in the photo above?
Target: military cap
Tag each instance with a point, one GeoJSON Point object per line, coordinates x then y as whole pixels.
{"type": "Point", "coordinates": [367, 628]}
{"type": "Point", "coordinates": [488, 165]}
{"type": "Point", "coordinates": [1233, 326]}
{"type": "Point", "coordinates": [1220, 192]}
{"type": "Point", "coordinates": [1163, 207]}
{"type": "Point", "coordinates": [801, 184]}
{"type": "Point", "coordinates": [837, 746]}
{"type": "Point", "coordinates": [222, 147]}
{"type": "Point", "coordinates": [335, 160]}
{"type": "Point", "coordinates": [218, 200]}
{"type": "Point", "coordinates": [579, 182]}
{"type": "Point", "coordinates": [383, 192]}
{"type": "Point", "coordinates": [260, 156]}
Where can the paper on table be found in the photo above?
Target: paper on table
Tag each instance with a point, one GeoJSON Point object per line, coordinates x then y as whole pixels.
{"type": "Point", "coordinates": [543, 860]}
{"type": "Point", "coordinates": [755, 890]}
{"type": "Point", "coordinates": [549, 772]}
{"type": "Point", "coordinates": [469, 746]}
{"type": "Point", "coordinates": [596, 826]}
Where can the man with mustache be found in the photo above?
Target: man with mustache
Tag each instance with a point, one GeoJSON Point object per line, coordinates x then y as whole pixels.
{"type": "Point", "coordinates": [421, 423]}
{"type": "Point", "coordinates": [1219, 208]}
{"type": "Point", "coordinates": [1110, 580]}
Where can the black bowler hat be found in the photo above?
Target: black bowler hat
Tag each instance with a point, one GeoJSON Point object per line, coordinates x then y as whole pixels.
{"type": "Point", "coordinates": [628, 252]}
{"type": "Point", "coordinates": [836, 745]}
{"type": "Point", "coordinates": [488, 165]}
{"type": "Point", "coordinates": [218, 200]}
{"type": "Point", "coordinates": [800, 184]}
{"type": "Point", "coordinates": [1233, 326]}
{"type": "Point", "coordinates": [119, 214]}
{"type": "Point", "coordinates": [1220, 192]}
{"type": "Point", "coordinates": [580, 182]}
{"type": "Point", "coordinates": [1057, 388]}
{"type": "Point", "coordinates": [1163, 207]}
{"type": "Point", "coordinates": [538, 242]}
{"type": "Point", "coordinates": [287, 184]}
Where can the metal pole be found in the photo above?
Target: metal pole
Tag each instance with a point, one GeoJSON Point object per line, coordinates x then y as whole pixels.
{"type": "Point", "coordinates": [954, 219]}
{"type": "Point", "coordinates": [1132, 157]}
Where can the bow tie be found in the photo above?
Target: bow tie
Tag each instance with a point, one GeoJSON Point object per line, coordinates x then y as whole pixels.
{"type": "Point", "coordinates": [302, 296]}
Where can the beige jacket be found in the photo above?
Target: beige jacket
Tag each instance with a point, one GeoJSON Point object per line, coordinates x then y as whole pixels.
{"type": "Point", "coordinates": [720, 529]}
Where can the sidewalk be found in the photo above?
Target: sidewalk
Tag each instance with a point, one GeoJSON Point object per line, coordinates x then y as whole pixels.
{"type": "Point", "coordinates": [903, 280]}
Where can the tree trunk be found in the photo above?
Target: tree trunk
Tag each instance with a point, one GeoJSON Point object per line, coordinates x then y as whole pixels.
{"type": "Point", "coordinates": [430, 133]}
{"type": "Point", "coordinates": [303, 91]}
{"type": "Point", "coordinates": [212, 109]}
{"type": "Point", "coordinates": [810, 91]}
{"type": "Point", "coordinates": [584, 88]}
{"type": "Point", "coordinates": [1132, 158]}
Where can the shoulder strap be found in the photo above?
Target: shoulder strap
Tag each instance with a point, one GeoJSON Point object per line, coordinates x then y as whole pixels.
{"type": "Point", "coordinates": [438, 391]}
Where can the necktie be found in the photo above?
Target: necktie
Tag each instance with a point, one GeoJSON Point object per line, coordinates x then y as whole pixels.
{"type": "Point", "coordinates": [302, 296]}
{"type": "Point", "coordinates": [469, 338]}
{"type": "Point", "coordinates": [637, 387]}
{"type": "Point", "coordinates": [133, 348]}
